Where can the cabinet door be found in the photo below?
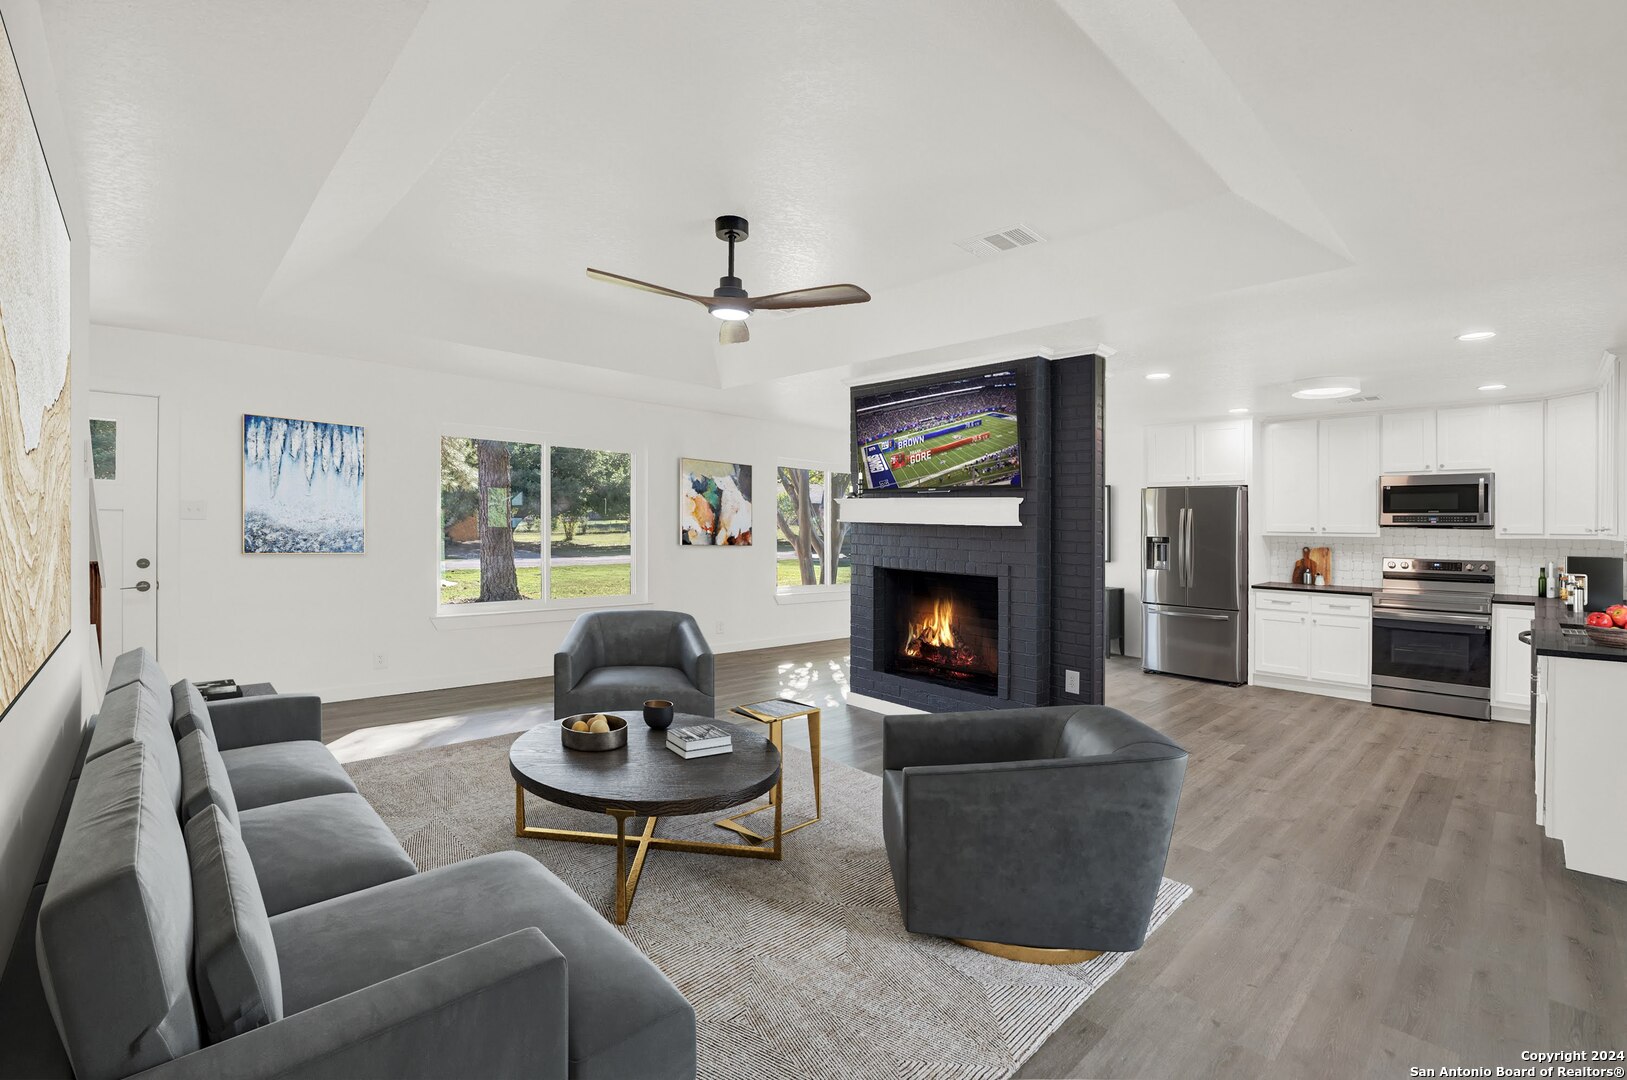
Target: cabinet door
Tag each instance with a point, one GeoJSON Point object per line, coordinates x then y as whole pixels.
{"type": "Point", "coordinates": [1464, 439]}
{"type": "Point", "coordinates": [1169, 453]}
{"type": "Point", "coordinates": [1518, 471]}
{"type": "Point", "coordinates": [1348, 467]}
{"type": "Point", "coordinates": [1510, 657]}
{"type": "Point", "coordinates": [1571, 488]}
{"type": "Point", "coordinates": [1609, 456]}
{"type": "Point", "coordinates": [1221, 452]}
{"type": "Point", "coordinates": [1407, 442]}
{"type": "Point", "coordinates": [1290, 472]}
{"type": "Point", "coordinates": [1281, 646]}
{"type": "Point", "coordinates": [1341, 649]}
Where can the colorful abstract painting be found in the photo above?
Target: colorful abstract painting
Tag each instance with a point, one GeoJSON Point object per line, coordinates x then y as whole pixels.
{"type": "Point", "coordinates": [36, 438]}
{"type": "Point", "coordinates": [714, 503]}
{"type": "Point", "coordinates": [304, 487]}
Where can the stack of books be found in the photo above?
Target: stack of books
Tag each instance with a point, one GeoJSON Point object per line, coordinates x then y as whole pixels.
{"type": "Point", "coordinates": [702, 740]}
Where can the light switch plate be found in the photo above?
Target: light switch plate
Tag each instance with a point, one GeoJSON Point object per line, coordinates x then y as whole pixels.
{"type": "Point", "coordinates": [194, 509]}
{"type": "Point", "coordinates": [1070, 682]}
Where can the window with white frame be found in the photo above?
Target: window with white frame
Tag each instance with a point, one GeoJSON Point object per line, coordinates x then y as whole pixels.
{"type": "Point", "coordinates": [530, 525]}
{"type": "Point", "coordinates": [811, 544]}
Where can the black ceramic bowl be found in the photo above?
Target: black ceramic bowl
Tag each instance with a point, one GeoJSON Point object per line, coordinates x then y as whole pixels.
{"type": "Point", "coordinates": [658, 714]}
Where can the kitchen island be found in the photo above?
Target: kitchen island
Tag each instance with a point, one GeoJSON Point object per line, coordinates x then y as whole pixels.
{"type": "Point", "coordinates": [1580, 742]}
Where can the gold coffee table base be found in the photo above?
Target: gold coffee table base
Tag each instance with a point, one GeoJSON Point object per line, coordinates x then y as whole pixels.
{"type": "Point", "coordinates": [776, 735]}
{"type": "Point", "coordinates": [627, 879]}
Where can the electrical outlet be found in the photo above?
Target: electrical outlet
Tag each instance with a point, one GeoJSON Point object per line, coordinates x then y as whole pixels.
{"type": "Point", "coordinates": [719, 627]}
{"type": "Point", "coordinates": [380, 661]}
{"type": "Point", "coordinates": [1070, 681]}
{"type": "Point", "coordinates": [194, 509]}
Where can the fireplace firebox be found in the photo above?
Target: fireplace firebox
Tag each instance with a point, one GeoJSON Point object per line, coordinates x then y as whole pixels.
{"type": "Point", "coordinates": [943, 628]}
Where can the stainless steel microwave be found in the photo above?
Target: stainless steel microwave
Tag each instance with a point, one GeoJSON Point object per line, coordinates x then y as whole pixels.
{"type": "Point", "coordinates": [1437, 501]}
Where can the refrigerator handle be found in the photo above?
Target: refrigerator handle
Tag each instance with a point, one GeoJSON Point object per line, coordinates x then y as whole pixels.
{"type": "Point", "coordinates": [1187, 545]}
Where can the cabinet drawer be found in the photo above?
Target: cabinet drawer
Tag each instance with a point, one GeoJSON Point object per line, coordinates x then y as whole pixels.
{"type": "Point", "coordinates": [1358, 606]}
{"type": "Point", "coordinates": [1282, 601]}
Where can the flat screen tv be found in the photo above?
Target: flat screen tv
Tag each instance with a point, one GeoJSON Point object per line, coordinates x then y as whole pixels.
{"type": "Point", "coordinates": [952, 432]}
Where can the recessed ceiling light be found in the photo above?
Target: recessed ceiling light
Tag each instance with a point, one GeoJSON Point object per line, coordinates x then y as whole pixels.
{"type": "Point", "coordinates": [1237, 410]}
{"type": "Point", "coordinates": [1328, 386]}
{"type": "Point", "coordinates": [1495, 386]}
{"type": "Point", "coordinates": [1157, 376]}
{"type": "Point", "coordinates": [1478, 335]}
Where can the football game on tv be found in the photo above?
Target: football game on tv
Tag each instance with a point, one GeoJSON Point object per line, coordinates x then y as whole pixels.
{"type": "Point", "coordinates": [957, 433]}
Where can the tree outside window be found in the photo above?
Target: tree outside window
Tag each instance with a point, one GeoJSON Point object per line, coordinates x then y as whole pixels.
{"type": "Point", "coordinates": [591, 542]}
{"type": "Point", "coordinates": [808, 528]}
{"type": "Point", "coordinates": [491, 504]}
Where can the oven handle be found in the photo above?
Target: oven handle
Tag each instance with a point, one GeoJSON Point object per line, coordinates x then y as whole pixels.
{"type": "Point", "coordinates": [1477, 622]}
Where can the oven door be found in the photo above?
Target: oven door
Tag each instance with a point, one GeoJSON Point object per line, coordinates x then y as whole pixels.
{"type": "Point", "coordinates": [1432, 651]}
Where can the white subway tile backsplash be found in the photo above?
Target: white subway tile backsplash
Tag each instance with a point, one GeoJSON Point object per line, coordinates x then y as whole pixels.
{"type": "Point", "coordinates": [1358, 560]}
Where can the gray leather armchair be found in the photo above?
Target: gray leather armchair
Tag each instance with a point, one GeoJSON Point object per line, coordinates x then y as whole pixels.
{"type": "Point", "coordinates": [621, 659]}
{"type": "Point", "coordinates": [1039, 828]}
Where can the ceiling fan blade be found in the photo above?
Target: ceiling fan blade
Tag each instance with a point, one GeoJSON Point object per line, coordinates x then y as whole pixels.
{"type": "Point", "coordinates": [733, 332]}
{"type": "Point", "coordinates": [634, 283]}
{"type": "Point", "coordinates": [823, 296]}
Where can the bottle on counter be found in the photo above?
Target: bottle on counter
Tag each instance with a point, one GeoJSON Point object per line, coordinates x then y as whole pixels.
{"type": "Point", "coordinates": [1562, 590]}
{"type": "Point", "coordinates": [1542, 581]}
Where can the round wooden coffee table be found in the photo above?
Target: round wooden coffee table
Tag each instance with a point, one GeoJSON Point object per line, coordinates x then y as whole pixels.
{"type": "Point", "coordinates": [643, 779]}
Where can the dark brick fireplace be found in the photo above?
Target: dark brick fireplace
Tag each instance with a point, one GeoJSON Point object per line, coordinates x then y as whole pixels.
{"type": "Point", "coordinates": [940, 628]}
{"type": "Point", "coordinates": [1042, 578]}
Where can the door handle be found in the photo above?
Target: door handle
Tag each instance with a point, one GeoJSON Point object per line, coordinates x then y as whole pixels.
{"type": "Point", "coordinates": [1188, 615]}
{"type": "Point", "coordinates": [1187, 515]}
{"type": "Point", "coordinates": [140, 586]}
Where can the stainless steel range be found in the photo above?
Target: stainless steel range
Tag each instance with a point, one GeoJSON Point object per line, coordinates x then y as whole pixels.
{"type": "Point", "coordinates": [1432, 637]}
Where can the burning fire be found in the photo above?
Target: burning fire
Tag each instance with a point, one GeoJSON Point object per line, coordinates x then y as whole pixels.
{"type": "Point", "coordinates": [936, 631]}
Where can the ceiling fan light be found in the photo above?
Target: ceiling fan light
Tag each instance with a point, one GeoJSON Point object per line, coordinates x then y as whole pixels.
{"type": "Point", "coordinates": [731, 314]}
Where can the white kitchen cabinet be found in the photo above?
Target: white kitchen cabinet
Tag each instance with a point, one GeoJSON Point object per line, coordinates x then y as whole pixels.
{"type": "Point", "coordinates": [1407, 442]}
{"type": "Point", "coordinates": [1217, 452]}
{"type": "Point", "coordinates": [1313, 642]}
{"type": "Point", "coordinates": [1169, 453]}
{"type": "Point", "coordinates": [1571, 466]}
{"type": "Point", "coordinates": [1518, 469]}
{"type": "Point", "coordinates": [1290, 475]}
{"type": "Point", "coordinates": [1510, 662]}
{"type": "Point", "coordinates": [1222, 451]}
{"type": "Point", "coordinates": [1348, 453]}
{"type": "Point", "coordinates": [1609, 442]}
{"type": "Point", "coordinates": [1465, 439]}
{"type": "Point", "coordinates": [1280, 643]}
{"type": "Point", "coordinates": [1341, 649]}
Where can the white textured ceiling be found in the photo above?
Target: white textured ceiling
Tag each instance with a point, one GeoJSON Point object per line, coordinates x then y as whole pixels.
{"type": "Point", "coordinates": [1239, 193]}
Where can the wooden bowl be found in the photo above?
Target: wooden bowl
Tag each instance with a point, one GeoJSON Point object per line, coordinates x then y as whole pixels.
{"type": "Point", "coordinates": [614, 739]}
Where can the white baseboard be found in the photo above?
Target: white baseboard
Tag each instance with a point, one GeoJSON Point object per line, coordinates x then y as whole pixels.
{"type": "Point", "coordinates": [1305, 686]}
{"type": "Point", "coordinates": [882, 706]}
{"type": "Point", "coordinates": [1512, 714]}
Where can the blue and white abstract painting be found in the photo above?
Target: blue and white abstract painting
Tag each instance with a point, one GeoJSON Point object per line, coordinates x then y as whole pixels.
{"type": "Point", "coordinates": [304, 487]}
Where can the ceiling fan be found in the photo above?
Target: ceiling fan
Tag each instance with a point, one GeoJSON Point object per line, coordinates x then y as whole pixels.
{"type": "Point", "coordinates": [729, 301]}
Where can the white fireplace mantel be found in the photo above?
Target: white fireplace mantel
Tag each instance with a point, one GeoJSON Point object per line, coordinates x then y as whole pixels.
{"type": "Point", "coordinates": [995, 510]}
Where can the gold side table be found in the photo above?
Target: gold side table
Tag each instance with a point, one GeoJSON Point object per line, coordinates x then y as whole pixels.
{"type": "Point", "coordinates": [774, 713]}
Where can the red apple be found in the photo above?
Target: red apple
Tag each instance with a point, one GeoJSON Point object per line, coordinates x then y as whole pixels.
{"type": "Point", "coordinates": [1599, 618]}
{"type": "Point", "coordinates": [1617, 613]}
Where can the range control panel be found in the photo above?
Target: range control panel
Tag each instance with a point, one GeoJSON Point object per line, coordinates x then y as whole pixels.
{"type": "Point", "coordinates": [1439, 566]}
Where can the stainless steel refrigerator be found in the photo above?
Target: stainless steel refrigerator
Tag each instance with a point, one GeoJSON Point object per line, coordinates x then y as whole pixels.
{"type": "Point", "coordinates": [1194, 582]}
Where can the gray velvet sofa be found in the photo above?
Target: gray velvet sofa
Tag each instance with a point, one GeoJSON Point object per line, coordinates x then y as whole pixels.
{"type": "Point", "coordinates": [620, 659]}
{"type": "Point", "coordinates": [1042, 828]}
{"type": "Point", "coordinates": [223, 903]}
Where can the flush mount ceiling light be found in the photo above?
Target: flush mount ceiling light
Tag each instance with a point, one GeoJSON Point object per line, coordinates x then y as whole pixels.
{"type": "Point", "coordinates": [1495, 386]}
{"type": "Point", "coordinates": [1326, 387]}
{"type": "Point", "coordinates": [1237, 410]}
{"type": "Point", "coordinates": [1157, 376]}
{"type": "Point", "coordinates": [1478, 335]}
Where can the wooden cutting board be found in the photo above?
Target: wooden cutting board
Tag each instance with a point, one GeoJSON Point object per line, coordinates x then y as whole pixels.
{"type": "Point", "coordinates": [1321, 560]}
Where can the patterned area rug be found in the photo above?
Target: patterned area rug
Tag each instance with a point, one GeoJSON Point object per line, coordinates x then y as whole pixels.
{"type": "Point", "coordinates": [800, 968]}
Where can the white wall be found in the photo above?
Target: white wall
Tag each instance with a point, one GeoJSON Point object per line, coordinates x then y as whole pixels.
{"type": "Point", "coordinates": [1126, 474]}
{"type": "Point", "coordinates": [1356, 560]}
{"type": "Point", "coordinates": [40, 733]}
{"type": "Point", "coordinates": [314, 623]}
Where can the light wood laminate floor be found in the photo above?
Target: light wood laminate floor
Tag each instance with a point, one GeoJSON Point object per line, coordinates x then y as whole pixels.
{"type": "Point", "coordinates": [1371, 891]}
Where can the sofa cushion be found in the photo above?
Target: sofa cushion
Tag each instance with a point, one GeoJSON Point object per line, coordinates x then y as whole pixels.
{"type": "Point", "coordinates": [114, 938]}
{"type": "Point", "coordinates": [284, 771]}
{"type": "Point", "coordinates": [893, 835]}
{"type": "Point", "coordinates": [235, 961]}
{"type": "Point", "coordinates": [190, 711]}
{"type": "Point", "coordinates": [203, 778]}
{"type": "Point", "coordinates": [138, 666]}
{"type": "Point", "coordinates": [625, 1018]}
{"type": "Point", "coordinates": [314, 849]}
{"type": "Point", "coordinates": [135, 713]}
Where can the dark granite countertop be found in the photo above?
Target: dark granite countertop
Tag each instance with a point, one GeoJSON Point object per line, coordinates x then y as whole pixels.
{"type": "Point", "coordinates": [1514, 598]}
{"type": "Point", "coordinates": [1549, 638]}
{"type": "Point", "coordinates": [1289, 586]}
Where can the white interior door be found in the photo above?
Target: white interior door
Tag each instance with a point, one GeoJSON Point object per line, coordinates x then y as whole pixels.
{"type": "Point", "coordinates": [124, 452]}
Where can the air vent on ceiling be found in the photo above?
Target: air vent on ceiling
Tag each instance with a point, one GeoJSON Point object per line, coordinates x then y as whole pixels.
{"type": "Point", "coordinates": [1018, 236]}
{"type": "Point", "coordinates": [1360, 399]}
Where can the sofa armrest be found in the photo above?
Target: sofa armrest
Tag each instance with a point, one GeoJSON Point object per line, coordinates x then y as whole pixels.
{"type": "Point", "coordinates": [270, 718]}
{"type": "Point", "coordinates": [971, 737]}
{"type": "Point", "coordinates": [496, 1010]}
{"type": "Point", "coordinates": [699, 664]}
{"type": "Point", "coordinates": [577, 655]}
